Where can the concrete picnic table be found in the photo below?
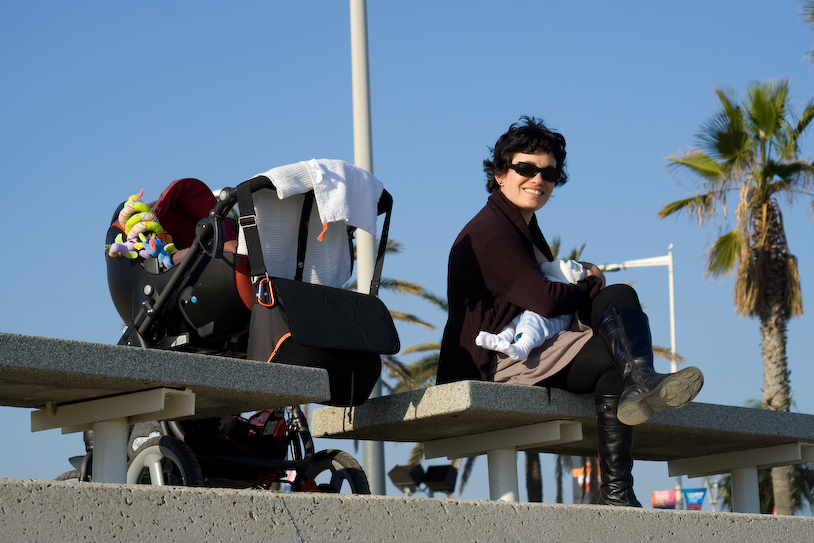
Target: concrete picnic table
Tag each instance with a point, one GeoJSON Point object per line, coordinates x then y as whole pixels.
{"type": "Point", "coordinates": [79, 386]}
{"type": "Point", "coordinates": [470, 418]}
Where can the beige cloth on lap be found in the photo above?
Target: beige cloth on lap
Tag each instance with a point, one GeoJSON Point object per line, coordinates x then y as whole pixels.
{"type": "Point", "coordinates": [544, 361]}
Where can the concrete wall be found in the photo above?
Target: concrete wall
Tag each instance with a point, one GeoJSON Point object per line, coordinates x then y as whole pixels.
{"type": "Point", "coordinates": [46, 511]}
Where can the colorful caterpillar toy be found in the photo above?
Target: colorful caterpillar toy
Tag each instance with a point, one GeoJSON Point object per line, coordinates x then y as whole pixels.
{"type": "Point", "coordinates": [145, 237]}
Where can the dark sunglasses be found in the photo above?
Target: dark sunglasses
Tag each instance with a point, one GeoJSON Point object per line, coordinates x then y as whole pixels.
{"type": "Point", "coordinates": [549, 173]}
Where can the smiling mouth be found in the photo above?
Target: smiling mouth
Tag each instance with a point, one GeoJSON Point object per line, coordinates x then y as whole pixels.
{"type": "Point", "coordinates": [533, 191]}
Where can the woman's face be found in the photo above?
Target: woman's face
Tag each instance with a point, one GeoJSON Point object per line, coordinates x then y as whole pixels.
{"type": "Point", "coordinates": [528, 193]}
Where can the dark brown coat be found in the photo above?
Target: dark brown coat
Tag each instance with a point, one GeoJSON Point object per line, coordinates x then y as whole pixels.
{"type": "Point", "coordinates": [493, 276]}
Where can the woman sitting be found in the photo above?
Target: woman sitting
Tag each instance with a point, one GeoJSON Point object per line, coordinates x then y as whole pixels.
{"type": "Point", "coordinates": [494, 274]}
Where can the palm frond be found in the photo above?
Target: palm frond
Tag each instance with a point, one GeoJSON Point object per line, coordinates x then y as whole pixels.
{"type": "Point", "coordinates": [787, 178]}
{"type": "Point", "coordinates": [766, 107]}
{"type": "Point", "coordinates": [794, 295]}
{"type": "Point", "coordinates": [701, 207]}
{"type": "Point", "coordinates": [790, 148]}
{"type": "Point", "coordinates": [724, 254]}
{"type": "Point", "coordinates": [729, 102]}
{"type": "Point", "coordinates": [748, 283]}
{"type": "Point", "coordinates": [699, 163]}
{"type": "Point", "coordinates": [664, 352]}
{"type": "Point", "coordinates": [400, 286]}
{"type": "Point", "coordinates": [413, 376]}
{"type": "Point", "coordinates": [440, 303]}
{"type": "Point", "coordinates": [424, 370]}
{"type": "Point", "coordinates": [807, 12]}
{"type": "Point", "coordinates": [555, 245]}
{"type": "Point", "coordinates": [401, 372]}
{"type": "Point", "coordinates": [576, 253]}
{"type": "Point", "coordinates": [416, 454]}
{"type": "Point", "coordinates": [726, 135]}
{"type": "Point", "coordinates": [393, 246]}
{"type": "Point", "coordinates": [731, 144]}
{"type": "Point", "coordinates": [399, 316]}
{"type": "Point", "coordinates": [422, 348]}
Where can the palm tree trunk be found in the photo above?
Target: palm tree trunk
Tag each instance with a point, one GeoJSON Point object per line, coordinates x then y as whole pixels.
{"type": "Point", "coordinates": [559, 469]}
{"type": "Point", "coordinates": [774, 314]}
{"type": "Point", "coordinates": [534, 477]}
{"type": "Point", "coordinates": [776, 396]}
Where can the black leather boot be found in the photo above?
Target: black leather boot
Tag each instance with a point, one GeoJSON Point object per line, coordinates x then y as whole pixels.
{"type": "Point", "coordinates": [627, 336]}
{"type": "Point", "coordinates": [615, 445]}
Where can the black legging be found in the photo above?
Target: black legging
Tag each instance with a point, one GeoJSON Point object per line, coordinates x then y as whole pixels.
{"type": "Point", "coordinates": [592, 369]}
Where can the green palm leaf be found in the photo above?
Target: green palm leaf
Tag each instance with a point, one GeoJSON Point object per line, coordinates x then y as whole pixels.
{"type": "Point", "coordinates": [766, 107]}
{"type": "Point", "coordinates": [790, 149]}
{"type": "Point", "coordinates": [724, 254]}
{"type": "Point", "coordinates": [399, 316]}
{"type": "Point", "coordinates": [422, 348]}
{"type": "Point", "coordinates": [701, 206]}
{"type": "Point", "coordinates": [664, 352]}
{"type": "Point", "coordinates": [699, 163]}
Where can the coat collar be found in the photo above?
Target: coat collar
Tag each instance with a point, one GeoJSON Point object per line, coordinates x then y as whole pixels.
{"type": "Point", "coordinates": [498, 201]}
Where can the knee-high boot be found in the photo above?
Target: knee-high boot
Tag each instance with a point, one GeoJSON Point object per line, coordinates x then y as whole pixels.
{"type": "Point", "coordinates": [627, 336]}
{"type": "Point", "coordinates": [615, 445]}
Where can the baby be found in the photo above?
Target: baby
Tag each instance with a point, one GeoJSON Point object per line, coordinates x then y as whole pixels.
{"type": "Point", "coordinates": [533, 329]}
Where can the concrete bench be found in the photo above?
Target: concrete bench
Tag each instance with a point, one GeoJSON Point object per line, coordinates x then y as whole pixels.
{"type": "Point", "coordinates": [80, 386]}
{"type": "Point", "coordinates": [470, 418]}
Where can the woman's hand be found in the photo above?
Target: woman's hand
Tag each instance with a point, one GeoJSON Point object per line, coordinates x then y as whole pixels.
{"type": "Point", "coordinates": [591, 269]}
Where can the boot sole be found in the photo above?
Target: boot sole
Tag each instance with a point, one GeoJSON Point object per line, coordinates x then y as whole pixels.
{"type": "Point", "coordinates": [676, 391]}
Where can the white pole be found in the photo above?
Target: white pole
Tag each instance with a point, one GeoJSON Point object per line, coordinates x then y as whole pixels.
{"type": "Point", "coordinates": [362, 132]}
{"type": "Point", "coordinates": [372, 451]}
{"type": "Point", "coordinates": [674, 363]}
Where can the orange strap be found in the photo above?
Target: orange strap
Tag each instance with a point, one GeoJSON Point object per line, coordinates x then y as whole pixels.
{"type": "Point", "coordinates": [324, 229]}
{"type": "Point", "coordinates": [276, 347]}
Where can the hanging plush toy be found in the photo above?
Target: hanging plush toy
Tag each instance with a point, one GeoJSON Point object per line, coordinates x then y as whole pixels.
{"type": "Point", "coordinates": [156, 248]}
{"type": "Point", "coordinates": [121, 246]}
{"type": "Point", "coordinates": [136, 218]}
{"type": "Point", "coordinates": [145, 236]}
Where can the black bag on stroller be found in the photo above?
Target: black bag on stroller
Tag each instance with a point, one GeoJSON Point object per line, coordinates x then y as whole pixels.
{"type": "Point", "coordinates": [301, 323]}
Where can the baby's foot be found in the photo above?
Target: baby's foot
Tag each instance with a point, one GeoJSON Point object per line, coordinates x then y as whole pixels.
{"type": "Point", "coordinates": [515, 351]}
{"type": "Point", "coordinates": [487, 340]}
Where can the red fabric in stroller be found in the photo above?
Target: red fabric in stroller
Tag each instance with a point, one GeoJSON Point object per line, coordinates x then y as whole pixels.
{"type": "Point", "coordinates": [179, 208]}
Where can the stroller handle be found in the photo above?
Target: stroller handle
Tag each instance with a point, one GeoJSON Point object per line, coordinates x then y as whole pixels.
{"type": "Point", "coordinates": [227, 198]}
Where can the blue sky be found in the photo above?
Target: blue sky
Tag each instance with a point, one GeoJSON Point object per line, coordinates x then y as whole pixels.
{"type": "Point", "coordinates": [101, 99]}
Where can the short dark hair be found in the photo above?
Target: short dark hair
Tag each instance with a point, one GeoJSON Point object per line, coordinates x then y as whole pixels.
{"type": "Point", "coordinates": [530, 137]}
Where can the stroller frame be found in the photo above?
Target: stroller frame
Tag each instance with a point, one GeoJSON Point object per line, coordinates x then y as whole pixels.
{"type": "Point", "coordinates": [172, 455]}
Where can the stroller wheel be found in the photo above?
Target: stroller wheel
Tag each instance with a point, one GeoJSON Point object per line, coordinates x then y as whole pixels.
{"type": "Point", "coordinates": [164, 460]}
{"type": "Point", "coordinates": [335, 472]}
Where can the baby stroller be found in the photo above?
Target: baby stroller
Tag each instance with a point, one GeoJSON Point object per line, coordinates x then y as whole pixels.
{"type": "Point", "coordinates": [263, 285]}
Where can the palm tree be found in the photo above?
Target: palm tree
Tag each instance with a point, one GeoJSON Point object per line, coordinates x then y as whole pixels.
{"type": "Point", "coordinates": [751, 150]}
